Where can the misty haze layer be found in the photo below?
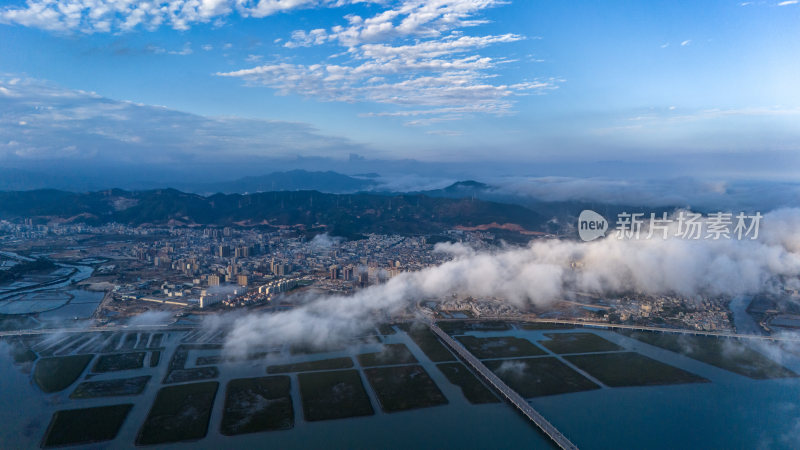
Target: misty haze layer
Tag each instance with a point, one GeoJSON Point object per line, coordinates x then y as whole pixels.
{"type": "Point", "coordinates": [54, 137]}
{"type": "Point", "coordinates": [543, 272]}
{"type": "Point", "coordinates": [703, 193]}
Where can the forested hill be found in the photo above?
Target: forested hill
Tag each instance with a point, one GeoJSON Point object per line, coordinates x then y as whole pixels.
{"type": "Point", "coordinates": [343, 214]}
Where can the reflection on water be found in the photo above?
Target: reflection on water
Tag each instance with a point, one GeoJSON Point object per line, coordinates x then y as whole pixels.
{"type": "Point", "coordinates": [455, 425]}
{"type": "Point", "coordinates": [742, 320]}
{"type": "Point", "coordinates": [731, 411]}
{"type": "Point", "coordinates": [82, 306]}
{"type": "Point", "coordinates": [52, 301]}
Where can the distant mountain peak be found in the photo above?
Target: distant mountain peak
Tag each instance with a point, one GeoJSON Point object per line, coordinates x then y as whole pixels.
{"type": "Point", "coordinates": [467, 184]}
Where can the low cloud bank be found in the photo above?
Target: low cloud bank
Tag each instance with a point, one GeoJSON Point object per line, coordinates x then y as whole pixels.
{"type": "Point", "coordinates": [723, 195]}
{"type": "Point", "coordinates": [683, 192]}
{"type": "Point", "coordinates": [543, 272]}
{"type": "Point", "coordinates": [324, 241]}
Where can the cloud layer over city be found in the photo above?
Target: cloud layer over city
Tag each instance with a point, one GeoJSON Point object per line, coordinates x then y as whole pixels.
{"type": "Point", "coordinates": [543, 272]}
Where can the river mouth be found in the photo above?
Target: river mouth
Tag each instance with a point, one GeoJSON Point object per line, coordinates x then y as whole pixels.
{"type": "Point", "coordinates": [742, 320]}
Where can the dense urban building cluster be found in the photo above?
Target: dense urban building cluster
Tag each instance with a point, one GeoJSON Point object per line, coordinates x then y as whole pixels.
{"type": "Point", "coordinates": [234, 267]}
{"type": "Point", "coordinates": [708, 314]}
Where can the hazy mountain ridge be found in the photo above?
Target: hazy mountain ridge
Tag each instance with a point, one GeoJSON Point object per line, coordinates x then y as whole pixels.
{"type": "Point", "coordinates": [12, 179]}
{"type": "Point", "coordinates": [292, 180]}
{"type": "Point", "coordinates": [342, 214]}
{"type": "Point", "coordinates": [469, 204]}
{"type": "Point", "coordinates": [562, 215]}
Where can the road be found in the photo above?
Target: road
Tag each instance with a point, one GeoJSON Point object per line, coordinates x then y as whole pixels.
{"type": "Point", "coordinates": [509, 394]}
{"type": "Point", "coordinates": [580, 323]}
{"type": "Point", "coordinates": [123, 328]}
{"type": "Point", "coordinates": [586, 323]}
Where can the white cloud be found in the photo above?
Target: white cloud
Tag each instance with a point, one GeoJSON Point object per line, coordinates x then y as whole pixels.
{"type": "Point", "coordinates": [454, 86]}
{"type": "Point", "coordinates": [543, 273]}
{"type": "Point", "coordinates": [420, 18]}
{"type": "Point", "coordinates": [431, 49]}
{"type": "Point", "coordinates": [301, 38]}
{"type": "Point", "coordinates": [186, 50]}
{"type": "Point", "coordinates": [718, 193]}
{"type": "Point", "coordinates": [444, 132]}
{"type": "Point", "coordinates": [39, 122]}
{"type": "Point", "coordinates": [102, 16]}
{"type": "Point", "coordinates": [788, 2]}
{"type": "Point", "coordinates": [686, 42]}
{"type": "Point", "coordinates": [412, 55]}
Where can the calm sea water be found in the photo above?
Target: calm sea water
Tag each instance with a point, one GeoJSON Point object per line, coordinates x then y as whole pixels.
{"type": "Point", "coordinates": [731, 412]}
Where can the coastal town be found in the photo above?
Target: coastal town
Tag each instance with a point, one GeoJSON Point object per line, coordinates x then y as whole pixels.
{"type": "Point", "coordinates": [210, 269]}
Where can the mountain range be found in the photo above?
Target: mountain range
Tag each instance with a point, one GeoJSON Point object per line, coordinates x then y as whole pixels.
{"type": "Point", "coordinates": [339, 214]}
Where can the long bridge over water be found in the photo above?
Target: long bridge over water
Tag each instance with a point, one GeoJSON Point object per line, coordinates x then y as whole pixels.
{"type": "Point", "coordinates": [509, 394]}
{"type": "Point", "coordinates": [495, 382]}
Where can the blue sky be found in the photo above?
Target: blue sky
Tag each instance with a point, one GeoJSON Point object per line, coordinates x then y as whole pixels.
{"type": "Point", "coordinates": [713, 83]}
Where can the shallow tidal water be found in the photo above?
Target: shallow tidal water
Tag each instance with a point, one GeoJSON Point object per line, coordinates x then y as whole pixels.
{"type": "Point", "coordinates": [731, 411]}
